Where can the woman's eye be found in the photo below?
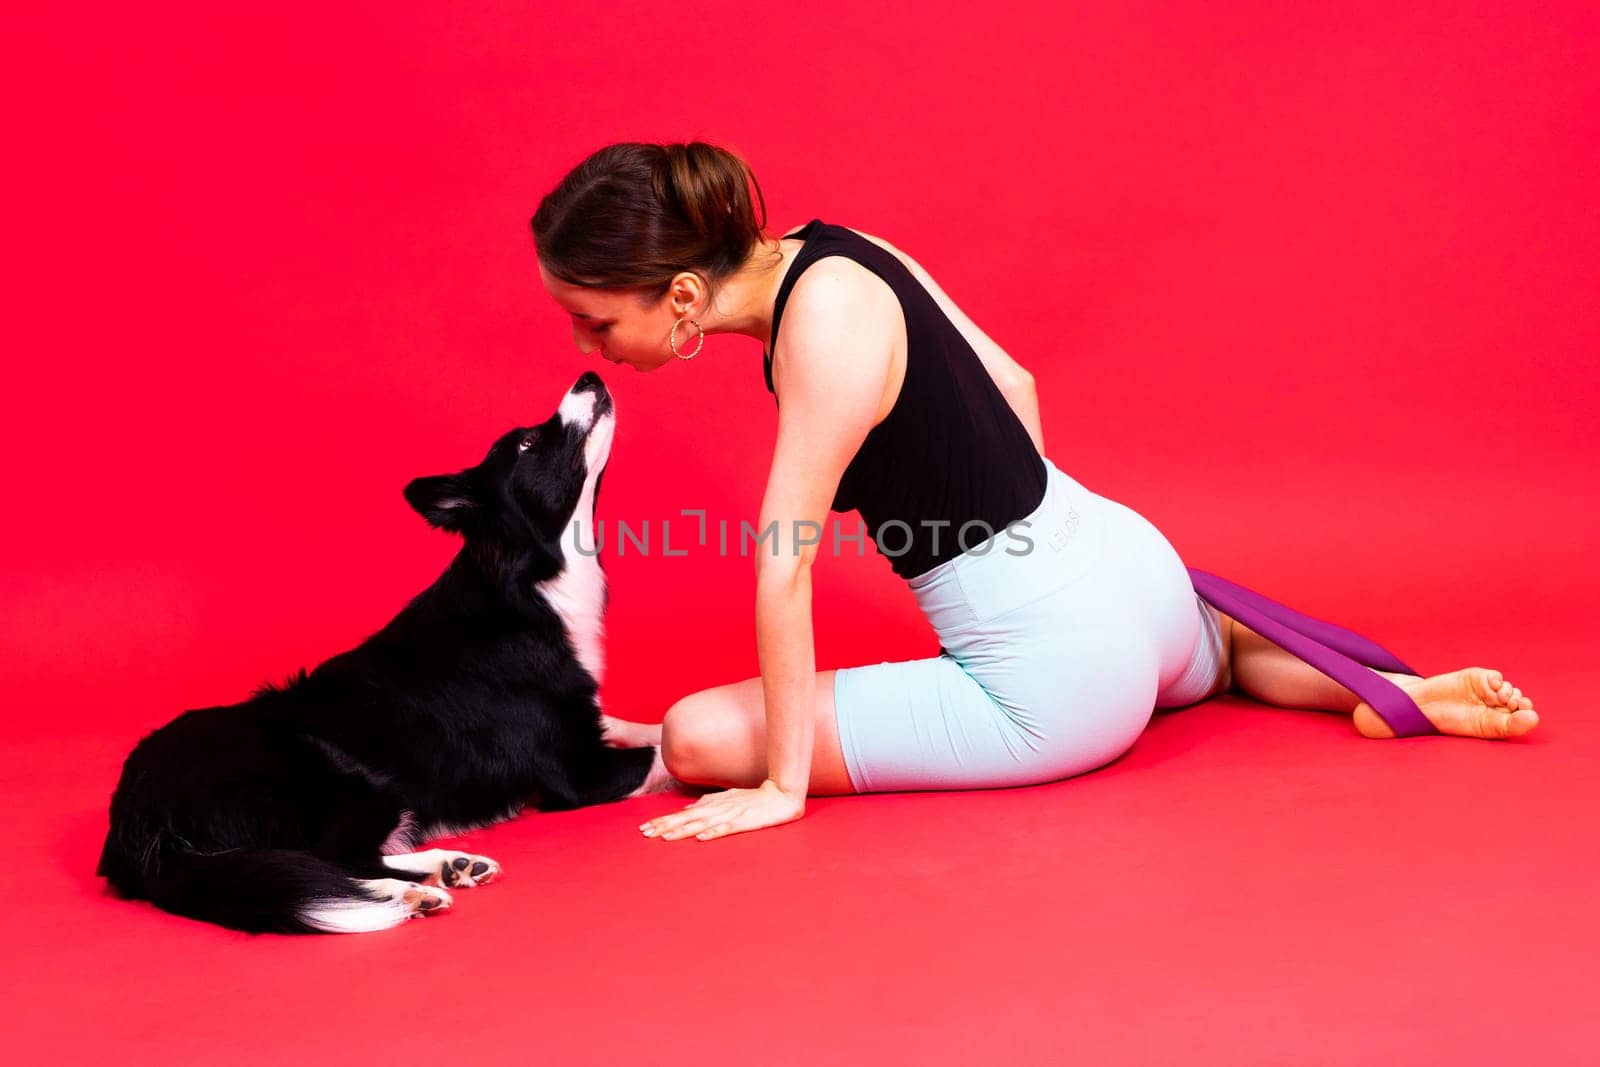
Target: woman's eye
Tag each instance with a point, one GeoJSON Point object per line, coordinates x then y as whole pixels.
{"type": "Point", "coordinates": [600, 329]}
{"type": "Point", "coordinates": [526, 442]}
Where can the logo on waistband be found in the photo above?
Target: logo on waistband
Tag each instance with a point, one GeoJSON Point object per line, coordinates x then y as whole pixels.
{"type": "Point", "coordinates": [1063, 533]}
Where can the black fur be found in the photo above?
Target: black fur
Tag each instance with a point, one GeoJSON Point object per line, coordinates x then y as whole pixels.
{"type": "Point", "coordinates": [468, 705]}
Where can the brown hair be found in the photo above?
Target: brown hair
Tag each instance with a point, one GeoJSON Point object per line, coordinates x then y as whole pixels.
{"type": "Point", "coordinates": [634, 214]}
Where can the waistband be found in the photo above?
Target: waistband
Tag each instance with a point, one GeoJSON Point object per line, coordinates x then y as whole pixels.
{"type": "Point", "coordinates": [1046, 550]}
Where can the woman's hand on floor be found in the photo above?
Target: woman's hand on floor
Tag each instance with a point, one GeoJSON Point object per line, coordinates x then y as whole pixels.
{"type": "Point", "coordinates": [732, 811]}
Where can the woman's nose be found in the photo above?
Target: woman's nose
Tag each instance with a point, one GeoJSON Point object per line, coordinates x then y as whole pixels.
{"type": "Point", "coordinates": [583, 343]}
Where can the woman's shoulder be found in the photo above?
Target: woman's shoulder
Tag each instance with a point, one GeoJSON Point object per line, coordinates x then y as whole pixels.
{"type": "Point", "coordinates": [832, 280]}
{"type": "Point", "coordinates": [836, 274]}
{"type": "Point", "coordinates": [836, 297]}
{"type": "Point", "coordinates": [794, 231]}
{"type": "Point", "coordinates": [842, 324]}
{"type": "Point", "coordinates": [1000, 365]}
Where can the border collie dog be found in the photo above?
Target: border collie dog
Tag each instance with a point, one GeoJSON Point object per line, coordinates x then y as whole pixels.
{"type": "Point", "coordinates": [300, 809]}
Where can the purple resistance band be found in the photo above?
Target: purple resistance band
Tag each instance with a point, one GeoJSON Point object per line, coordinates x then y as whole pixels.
{"type": "Point", "coordinates": [1336, 652]}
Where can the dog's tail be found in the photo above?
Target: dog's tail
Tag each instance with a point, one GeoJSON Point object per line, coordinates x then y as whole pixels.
{"type": "Point", "coordinates": [259, 891]}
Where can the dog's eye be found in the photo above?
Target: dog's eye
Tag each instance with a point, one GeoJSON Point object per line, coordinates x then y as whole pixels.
{"type": "Point", "coordinates": [527, 442]}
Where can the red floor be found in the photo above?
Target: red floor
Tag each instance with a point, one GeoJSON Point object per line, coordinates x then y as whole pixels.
{"type": "Point", "coordinates": [1310, 286]}
{"type": "Point", "coordinates": [1246, 886]}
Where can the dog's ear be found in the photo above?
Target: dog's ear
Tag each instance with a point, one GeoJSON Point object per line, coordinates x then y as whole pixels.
{"type": "Point", "coordinates": [448, 501]}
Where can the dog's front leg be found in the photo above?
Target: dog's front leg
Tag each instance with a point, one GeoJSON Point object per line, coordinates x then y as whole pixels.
{"type": "Point", "coordinates": [441, 867]}
{"type": "Point", "coordinates": [620, 733]}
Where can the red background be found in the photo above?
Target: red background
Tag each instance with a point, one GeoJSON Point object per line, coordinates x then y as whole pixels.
{"type": "Point", "coordinates": [1313, 290]}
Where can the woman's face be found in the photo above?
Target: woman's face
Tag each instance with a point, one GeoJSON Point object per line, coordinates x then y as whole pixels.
{"type": "Point", "coordinates": [614, 322]}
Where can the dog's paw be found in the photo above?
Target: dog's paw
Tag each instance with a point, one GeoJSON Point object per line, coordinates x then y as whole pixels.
{"type": "Point", "coordinates": [423, 899]}
{"type": "Point", "coordinates": [620, 733]}
{"type": "Point", "coordinates": [459, 870]}
{"type": "Point", "coordinates": [444, 867]}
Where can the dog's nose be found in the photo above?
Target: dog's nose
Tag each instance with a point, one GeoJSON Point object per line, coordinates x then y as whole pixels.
{"type": "Point", "coordinates": [589, 382]}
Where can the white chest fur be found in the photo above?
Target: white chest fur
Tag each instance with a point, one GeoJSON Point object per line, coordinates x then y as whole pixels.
{"type": "Point", "coordinates": [578, 593]}
{"type": "Point", "coordinates": [578, 596]}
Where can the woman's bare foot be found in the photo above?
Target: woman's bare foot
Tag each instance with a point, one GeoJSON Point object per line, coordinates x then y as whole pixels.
{"type": "Point", "coordinates": [1472, 702]}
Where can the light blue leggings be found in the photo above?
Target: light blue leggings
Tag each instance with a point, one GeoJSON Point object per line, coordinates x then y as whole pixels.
{"type": "Point", "coordinates": [1060, 636]}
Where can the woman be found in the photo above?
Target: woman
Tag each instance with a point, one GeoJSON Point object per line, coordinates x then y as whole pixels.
{"type": "Point", "coordinates": [1065, 618]}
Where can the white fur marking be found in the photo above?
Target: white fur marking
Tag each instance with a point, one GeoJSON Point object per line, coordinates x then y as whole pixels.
{"type": "Point", "coordinates": [577, 408]}
{"type": "Point", "coordinates": [578, 592]}
{"type": "Point", "coordinates": [578, 595]}
{"type": "Point", "coordinates": [404, 837]}
{"type": "Point", "coordinates": [352, 916]}
{"type": "Point", "coordinates": [427, 862]}
{"type": "Point", "coordinates": [431, 864]}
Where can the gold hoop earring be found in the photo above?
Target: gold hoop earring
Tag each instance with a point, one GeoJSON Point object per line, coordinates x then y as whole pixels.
{"type": "Point", "coordinates": [672, 338]}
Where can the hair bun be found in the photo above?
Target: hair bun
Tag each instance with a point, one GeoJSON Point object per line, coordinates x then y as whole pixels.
{"type": "Point", "coordinates": [709, 186]}
{"type": "Point", "coordinates": [634, 214]}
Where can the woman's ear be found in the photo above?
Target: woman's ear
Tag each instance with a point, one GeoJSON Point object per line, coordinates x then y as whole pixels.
{"type": "Point", "coordinates": [447, 501]}
{"type": "Point", "coordinates": [685, 290]}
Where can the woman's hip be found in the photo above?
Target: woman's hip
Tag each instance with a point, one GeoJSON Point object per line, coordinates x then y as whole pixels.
{"type": "Point", "coordinates": [1050, 597]}
{"type": "Point", "coordinates": [1058, 635]}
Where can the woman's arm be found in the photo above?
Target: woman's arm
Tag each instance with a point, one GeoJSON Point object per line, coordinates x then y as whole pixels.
{"type": "Point", "coordinates": [831, 373]}
{"type": "Point", "coordinates": [1024, 400]}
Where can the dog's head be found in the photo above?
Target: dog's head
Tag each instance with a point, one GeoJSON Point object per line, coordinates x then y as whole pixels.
{"type": "Point", "coordinates": [529, 505]}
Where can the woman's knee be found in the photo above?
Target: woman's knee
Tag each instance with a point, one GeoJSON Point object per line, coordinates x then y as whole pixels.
{"type": "Point", "coordinates": [696, 734]}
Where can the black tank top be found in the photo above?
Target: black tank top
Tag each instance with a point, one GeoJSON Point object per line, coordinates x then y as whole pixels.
{"type": "Point", "coordinates": [951, 451]}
